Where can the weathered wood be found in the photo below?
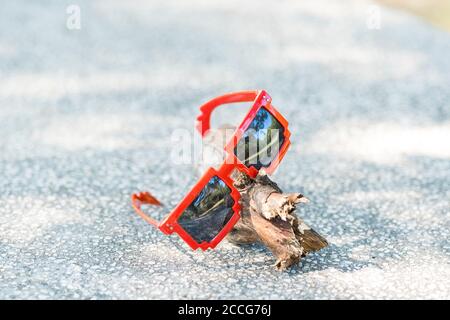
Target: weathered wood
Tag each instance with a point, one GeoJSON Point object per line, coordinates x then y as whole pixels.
{"type": "Point", "coordinates": [267, 214]}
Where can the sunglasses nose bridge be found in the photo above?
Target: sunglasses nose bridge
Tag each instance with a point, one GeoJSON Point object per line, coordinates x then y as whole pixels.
{"type": "Point", "coordinates": [227, 167]}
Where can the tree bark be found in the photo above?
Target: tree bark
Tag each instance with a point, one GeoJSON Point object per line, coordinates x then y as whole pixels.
{"type": "Point", "coordinates": [267, 215]}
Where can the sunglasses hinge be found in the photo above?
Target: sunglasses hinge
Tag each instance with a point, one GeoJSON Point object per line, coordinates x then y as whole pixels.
{"type": "Point", "coordinates": [166, 228]}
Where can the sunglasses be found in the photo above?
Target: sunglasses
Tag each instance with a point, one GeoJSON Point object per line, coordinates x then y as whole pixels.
{"type": "Point", "coordinates": [211, 209]}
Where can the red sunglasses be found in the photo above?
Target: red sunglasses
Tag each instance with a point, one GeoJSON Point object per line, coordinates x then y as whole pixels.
{"type": "Point", "coordinates": [211, 209]}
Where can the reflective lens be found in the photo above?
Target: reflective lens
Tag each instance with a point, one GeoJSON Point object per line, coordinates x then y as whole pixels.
{"type": "Point", "coordinates": [261, 142]}
{"type": "Point", "coordinates": [209, 212]}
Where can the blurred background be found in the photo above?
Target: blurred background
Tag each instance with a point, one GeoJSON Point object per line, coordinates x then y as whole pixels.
{"type": "Point", "coordinates": [92, 91]}
{"type": "Point", "coordinates": [435, 11]}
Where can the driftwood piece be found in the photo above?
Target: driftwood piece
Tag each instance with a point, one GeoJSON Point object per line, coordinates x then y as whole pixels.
{"type": "Point", "coordinates": [267, 214]}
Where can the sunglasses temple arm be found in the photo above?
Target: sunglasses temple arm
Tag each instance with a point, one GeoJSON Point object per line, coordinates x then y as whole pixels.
{"type": "Point", "coordinates": [138, 199]}
{"type": "Point", "coordinates": [203, 120]}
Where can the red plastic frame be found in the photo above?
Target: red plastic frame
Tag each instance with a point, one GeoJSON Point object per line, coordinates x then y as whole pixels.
{"type": "Point", "coordinates": [170, 223]}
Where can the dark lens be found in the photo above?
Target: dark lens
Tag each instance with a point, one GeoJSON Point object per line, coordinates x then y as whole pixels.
{"type": "Point", "coordinates": [209, 212]}
{"type": "Point", "coordinates": [261, 141]}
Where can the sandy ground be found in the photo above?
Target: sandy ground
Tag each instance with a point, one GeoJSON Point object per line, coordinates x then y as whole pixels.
{"type": "Point", "coordinates": [86, 118]}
